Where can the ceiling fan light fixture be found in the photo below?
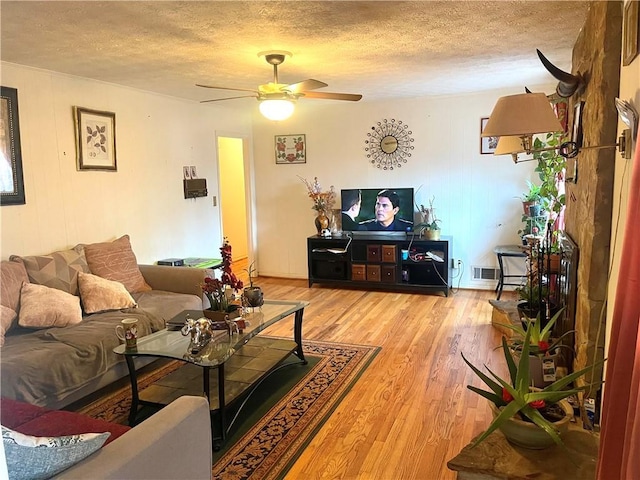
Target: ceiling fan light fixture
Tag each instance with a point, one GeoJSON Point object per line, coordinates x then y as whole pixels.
{"type": "Point", "coordinates": [276, 109]}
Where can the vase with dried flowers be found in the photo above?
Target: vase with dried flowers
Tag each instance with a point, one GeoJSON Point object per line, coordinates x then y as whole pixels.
{"type": "Point", "coordinates": [322, 202]}
{"type": "Point", "coordinates": [219, 290]}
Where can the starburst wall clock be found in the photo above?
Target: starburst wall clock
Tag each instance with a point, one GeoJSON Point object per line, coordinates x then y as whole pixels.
{"type": "Point", "coordinates": [389, 144]}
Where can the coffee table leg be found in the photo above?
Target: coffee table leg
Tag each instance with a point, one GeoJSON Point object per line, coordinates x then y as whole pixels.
{"type": "Point", "coordinates": [133, 377]}
{"type": "Point", "coordinates": [297, 335]}
{"type": "Point", "coordinates": [221, 402]}
{"type": "Point", "coordinates": [218, 442]}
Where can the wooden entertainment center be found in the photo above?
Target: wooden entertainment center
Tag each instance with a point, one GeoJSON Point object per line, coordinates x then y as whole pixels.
{"type": "Point", "coordinates": [377, 261]}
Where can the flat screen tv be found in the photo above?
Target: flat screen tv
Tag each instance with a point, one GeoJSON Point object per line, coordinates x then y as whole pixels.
{"type": "Point", "coordinates": [377, 209]}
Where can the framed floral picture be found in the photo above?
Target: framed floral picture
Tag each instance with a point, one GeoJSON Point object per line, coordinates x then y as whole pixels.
{"type": "Point", "coordinates": [487, 144]}
{"type": "Point", "coordinates": [11, 178]}
{"type": "Point", "coordinates": [291, 149]}
{"type": "Point", "coordinates": [95, 139]}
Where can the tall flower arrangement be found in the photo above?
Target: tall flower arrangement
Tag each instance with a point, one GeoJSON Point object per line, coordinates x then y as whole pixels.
{"type": "Point", "coordinates": [214, 288]}
{"type": "Point", "coordinates": [322, 201]}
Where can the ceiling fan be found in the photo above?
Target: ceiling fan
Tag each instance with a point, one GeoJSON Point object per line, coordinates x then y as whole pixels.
{"type": "Point", "coordinates": [277, 99]}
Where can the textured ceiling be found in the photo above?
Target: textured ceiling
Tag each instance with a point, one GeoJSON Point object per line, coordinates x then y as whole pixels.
{"type": "Point", "coordinates": [380, 49]}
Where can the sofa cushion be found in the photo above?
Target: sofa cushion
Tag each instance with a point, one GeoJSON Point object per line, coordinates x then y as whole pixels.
{"type": "Point", "coordinates": [116, 261]}
{"type": "Point", "coordinates": [167, 305]}
{"type": "Point", "coordinates": [30, 457]}
{"type": "Point", "coordinates": [99, 294]}
{"type": "Point", "coordinates": [56, 270]}
{"type": "Point", "coordinates": [12, 276]}
{"type": "Point", "coordinates": [39, 421]}
{"type": "Point", "coordinates": [43, 307]}
{"type": "Point", "coordinates": [7, 317]}
{"type": "Point", "coordinates": [75, 356]}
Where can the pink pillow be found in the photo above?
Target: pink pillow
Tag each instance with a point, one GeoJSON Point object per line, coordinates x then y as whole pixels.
{"type": "Point", "coordinates": [99, 294]}
{"type": "Point", "coordinates": [116, 261]}
{"type": "Point", "coordinates": [44, 307]}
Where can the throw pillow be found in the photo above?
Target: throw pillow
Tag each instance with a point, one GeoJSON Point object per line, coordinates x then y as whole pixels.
{"type": "Point", "coordinates": [99, 294]}
{"type": "Point", "coordinates": [31, 458]}
{"type": "Point", "coordinates": [7, 316]}
{"type": "Point", "coordinates": [56, 270]}
{"type": "Point", "coordinates": [12, 276]}
{"type": "Point", "coordinates": [43, 307]}
{"type": "Point", "coordinates": [116, 261]}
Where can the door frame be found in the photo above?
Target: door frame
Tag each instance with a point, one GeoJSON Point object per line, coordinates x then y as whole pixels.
{"type": "Point", "coordinates": [249, 187]}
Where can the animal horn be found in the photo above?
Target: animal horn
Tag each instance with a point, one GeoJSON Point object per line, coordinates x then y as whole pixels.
{"type": "Point", "coordinates": [568, 84]}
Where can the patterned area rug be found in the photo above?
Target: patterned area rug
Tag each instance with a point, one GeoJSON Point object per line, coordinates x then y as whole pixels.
{"type": "Point", "coordinates": [269, 446]}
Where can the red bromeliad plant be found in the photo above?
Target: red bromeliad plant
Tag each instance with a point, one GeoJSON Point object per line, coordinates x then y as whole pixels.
{"type": "Point", "coordinates": [515, 396]}
{"type": "Point", "coordinates": [214, 288]}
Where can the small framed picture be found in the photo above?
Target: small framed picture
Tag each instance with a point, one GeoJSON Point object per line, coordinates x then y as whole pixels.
{"type": "Point", "coordinates": [186, 173]}
{"type": "Point", "coordinates": [291, 149]}
{"type": "Point", "coordinates": [576, 136]}
{"type": "Point", "coordinates": [630, 27]}
{"type": "Point", "coordinates": [95, 139]}
{"type": "Point", "coordinates": [576, 133]}
{"type": "Point", "coordinates": [194, 172]}
{"type": "Point", "coordinates": [487, 144]}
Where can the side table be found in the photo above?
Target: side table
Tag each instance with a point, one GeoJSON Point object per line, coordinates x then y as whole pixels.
{"type": "Point", "coordinates": [501, 252]}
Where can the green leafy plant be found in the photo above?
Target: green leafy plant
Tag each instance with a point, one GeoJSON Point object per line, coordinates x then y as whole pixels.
{"type": "Point", "coordinates": [540, 337]}
{"type": "Point", "coordinates": [534, 194]}
{"type": "Point", "coordinates": [515, 396]}
{"type": "Point", "coordinates": [550, 169]}
{"type": "Point", "coordinates": [532, 293]}
{"type": "Point", "coordinates": [250, 272]}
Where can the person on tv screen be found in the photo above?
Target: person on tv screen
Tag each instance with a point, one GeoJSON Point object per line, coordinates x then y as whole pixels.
{"type": "Point", "coordinates": [386, 208]}
{"type": "Point", "coordinates": [351, 202]}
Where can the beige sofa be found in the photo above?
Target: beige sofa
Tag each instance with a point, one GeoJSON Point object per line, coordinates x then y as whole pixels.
{"type": "Point", "coordinates": [173, 443]}
{"type": "Point", "coordinates": [57, 365]}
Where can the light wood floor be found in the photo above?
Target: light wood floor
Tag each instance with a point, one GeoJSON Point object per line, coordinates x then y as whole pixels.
{"type": "Point", "coordinates": [410, 411]}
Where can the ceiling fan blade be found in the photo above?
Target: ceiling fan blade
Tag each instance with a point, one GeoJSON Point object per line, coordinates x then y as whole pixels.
{"type": "Point", "coordinates": [228, 98]}
{"type": "Point", "coordinates": [227, 88]}
{"type": "Point", "coordinates": [303, 86]}
{"type": "Point", "coordinates": [351, 97]}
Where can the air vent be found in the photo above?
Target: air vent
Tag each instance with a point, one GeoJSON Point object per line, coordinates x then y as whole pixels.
{"type": "Point", "coordinates": [486, 273]}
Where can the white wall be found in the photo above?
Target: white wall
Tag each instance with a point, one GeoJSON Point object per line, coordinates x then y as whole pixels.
{"type": "Point", "coordinates": [629, 91]}
{"type": "Point", "coordinates": [475, 195]}
{"type": "Point", "coordinates": [156, 136]}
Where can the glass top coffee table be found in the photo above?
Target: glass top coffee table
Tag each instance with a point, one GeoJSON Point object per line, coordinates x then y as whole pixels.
{"type": "Point", "coordinates": [265, 355]}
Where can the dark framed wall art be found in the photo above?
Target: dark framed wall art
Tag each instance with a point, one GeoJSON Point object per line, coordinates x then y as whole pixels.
{"type": "Point", "coordinates": [11, 177]}
{"type": "Point", "coordinates": [487, 144]}
{"type": "Point", "coordinates": [95, 139]}
{"type": "Point", "coordinates": [630, 27]}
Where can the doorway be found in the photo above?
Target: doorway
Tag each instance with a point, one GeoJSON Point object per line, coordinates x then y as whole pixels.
{"type": "Point", "coordinates": [235, 194]}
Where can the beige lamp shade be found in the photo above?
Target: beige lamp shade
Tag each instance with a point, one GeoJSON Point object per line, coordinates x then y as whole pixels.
{"type": "Point", "coordinates": [509, 145]}
{"type": "Point", "coordinates": [520, 115]}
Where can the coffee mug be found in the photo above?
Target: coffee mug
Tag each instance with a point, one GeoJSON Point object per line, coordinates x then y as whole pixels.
{"type": "Point", "coordinates": [128, 332]}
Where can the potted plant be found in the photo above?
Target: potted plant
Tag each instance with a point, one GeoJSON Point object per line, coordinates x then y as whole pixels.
{"type": "Point", "coordinates": [542, 348]}
{"type": "Point", "coordinates": [531, 197]}
{"type": "Point", "coordinates": [219, 291]}
{"type": "Point", "coordinates": [532, 298]}
{"type": "Point", "coordinates": [253, 294]}
{"type": "Point", "coordinates": [428, 225]}
{"type": "Point", "coordinates": [531, 418]}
